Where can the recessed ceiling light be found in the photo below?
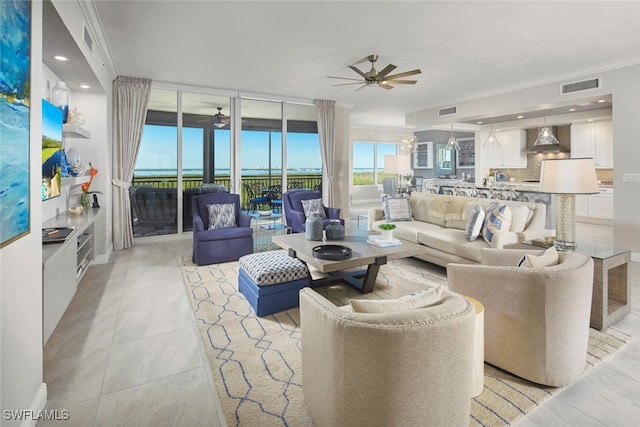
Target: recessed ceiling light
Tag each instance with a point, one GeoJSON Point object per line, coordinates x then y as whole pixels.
{"type": "Point", "coordinates": [572, 109]}
{"type": "Point", "coordinates": [590, 120]}
{"type": "Point", "coordinates": [479, 123]}
{"type": "Point", "coordinates": [602, 100]}
{"type": "Point", "coordinates": [84, 86]}
{"type": "Point", "coordinates": [521, 117]}
{"type": "Point", "coordinates": [60, 58]}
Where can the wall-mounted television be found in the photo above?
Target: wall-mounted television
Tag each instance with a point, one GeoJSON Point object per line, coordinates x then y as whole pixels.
{"type": "Point", "coordinates": [51, 150]}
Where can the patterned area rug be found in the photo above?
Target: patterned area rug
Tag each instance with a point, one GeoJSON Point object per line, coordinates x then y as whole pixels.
{"type": "Point", "coordinates": [256, 361]}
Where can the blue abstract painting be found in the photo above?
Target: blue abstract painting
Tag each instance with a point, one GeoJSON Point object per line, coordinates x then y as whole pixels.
{"type": "Point", "coordinates": [15, 89]}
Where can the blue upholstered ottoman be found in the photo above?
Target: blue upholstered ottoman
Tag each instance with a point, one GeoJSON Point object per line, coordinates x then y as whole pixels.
{"type": "Point", "coordinates": [271, 280]}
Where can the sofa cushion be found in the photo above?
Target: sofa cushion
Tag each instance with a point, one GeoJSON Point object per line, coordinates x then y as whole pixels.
{"type": "Point", "coordinates": [521, 215]}
{"type": "Point", "coordinates": [545, 258]}
{"type": "Point", "coordinates": [474, 223]}
{"type": "Point", "coordinates": [409, 230]}
{"type": "Point", "coordinates": [498, 218]}
{"type": "Point", "coordinates": [453, 241]}
{"type": "Point", "coordinates": [447, 208]}
{"type": "Point", "coordinates": [396, 208]}
{"type": "Point", "coordinates": [313, 205]}
{"type": "Point", "coordinates": [461, 223]}
{"type": "Point", "coordinates": [222, 215]}
{"type": "Point", "coordinates": [420, 299]}
{"type": "Point", "coordinates": [420, 203]}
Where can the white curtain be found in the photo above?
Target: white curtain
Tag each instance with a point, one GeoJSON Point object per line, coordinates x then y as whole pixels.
{"type": "Point", "coordinates": [326, 114]}
{"type": "Point", "coordinates": [130, 101]}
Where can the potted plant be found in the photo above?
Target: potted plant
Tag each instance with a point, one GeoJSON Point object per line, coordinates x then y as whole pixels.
{"type": "Point", "coordinates": [386, 231]}
{"type": "Point", "coordinates": [264, 209]}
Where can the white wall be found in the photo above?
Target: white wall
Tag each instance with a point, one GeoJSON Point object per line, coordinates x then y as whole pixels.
{"type": "Point", "coordinates": [21, 274]}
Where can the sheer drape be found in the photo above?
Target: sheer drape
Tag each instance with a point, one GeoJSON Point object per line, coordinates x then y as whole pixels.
{"type": "Point", "coordinates": [130, 101]}
{"type": "Point", "coordinates": [326, 114]}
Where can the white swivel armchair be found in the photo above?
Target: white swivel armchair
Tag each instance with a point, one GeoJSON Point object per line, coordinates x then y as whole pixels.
{"type": "Point", "coordinates": [404, 368]}
{"type": "Point", "coordinates": [536, 319]}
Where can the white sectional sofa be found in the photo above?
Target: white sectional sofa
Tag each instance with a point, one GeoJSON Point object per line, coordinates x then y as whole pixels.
{"type": "Point", "coordinates": [439, 223]}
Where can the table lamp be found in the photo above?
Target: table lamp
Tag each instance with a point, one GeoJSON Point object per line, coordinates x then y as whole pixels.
{"type": "Point", "coordinates": [398, 164]}
{"type": "Point", "coordinates": [566, 178]}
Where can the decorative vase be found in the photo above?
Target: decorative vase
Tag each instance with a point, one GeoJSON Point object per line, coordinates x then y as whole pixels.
{"type": "Point", "coordinates": [313, 227]}
{"type": "Point", "coordinates": [387, 234]}
{"type": "Point", "coordinates": [60, 98]}
{"type": "Point", "coordinates": [335, 230]}
{"type": "Point", "coordinates": [85, 201]}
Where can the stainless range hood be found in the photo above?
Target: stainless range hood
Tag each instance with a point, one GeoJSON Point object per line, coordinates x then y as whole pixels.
{"type": "Point", "coordinates": [546, 142]}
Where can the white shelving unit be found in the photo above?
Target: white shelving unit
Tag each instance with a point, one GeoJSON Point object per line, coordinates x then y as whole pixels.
{"type": "Point", "coordinates": [75, 131]}
{"type": "Point", "coordinates": [75, 180]}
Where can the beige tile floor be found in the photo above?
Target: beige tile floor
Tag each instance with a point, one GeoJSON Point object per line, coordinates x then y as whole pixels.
{"type": "Point", "coordinates": [127, 352]}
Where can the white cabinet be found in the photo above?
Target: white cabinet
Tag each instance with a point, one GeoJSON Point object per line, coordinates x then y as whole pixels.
{"type": "Point", "coordinates": [601, 204]}
{"type": "Point", "coordinates": [595, 206]}
{"type": "Point", "coordinates": [423, 156]}
{"type": "Point", "coordinates": [512, 150]}
{"type": "Point", "coordinates": [467, 155]}
{"type": "Point", "coordinates": [63, 266]}
{"type": "Point", "coordinates": [594, 139]}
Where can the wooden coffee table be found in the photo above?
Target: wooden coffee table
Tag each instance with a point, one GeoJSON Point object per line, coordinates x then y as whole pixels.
{"type": "Point", "coordinates": [363, 253]}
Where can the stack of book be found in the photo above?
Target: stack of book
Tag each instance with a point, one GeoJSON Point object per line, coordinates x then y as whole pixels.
{"type": "Point", "coordinates": [378, 241]}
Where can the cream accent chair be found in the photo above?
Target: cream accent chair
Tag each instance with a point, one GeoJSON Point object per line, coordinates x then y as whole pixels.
{"type": "Point", "coordinates": [405, 368]}
{"type": "Point", "coordinates": [536, 319]}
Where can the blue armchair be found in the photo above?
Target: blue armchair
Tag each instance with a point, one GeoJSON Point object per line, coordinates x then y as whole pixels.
{"type": "Point", "coordinates": [221, 244]}
{"type": "Point", "coordinates": [294, 212]}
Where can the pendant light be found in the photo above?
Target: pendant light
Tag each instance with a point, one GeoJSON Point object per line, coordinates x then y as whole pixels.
{"type": "Point", "coordinates": [452, 144]}
{"type": "Point", "coordinates": [492, 140]}
{"type": "Point", "coordinates": [406, 143]}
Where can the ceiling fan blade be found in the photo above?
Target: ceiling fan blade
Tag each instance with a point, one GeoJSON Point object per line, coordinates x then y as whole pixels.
{"type": "Point", "coordinates": [363, 86]}
{"type": "Point", "coordinates": [386, 70]}
{"type": "Point", "coordinates": [385, 86]}
{"type": "Point", "coordinates": [359, 82]}
{"type": "Point", "coordinates": [344, 78]}
{"type": "Point", "coordinates": [364, 76]}
{"type": "Point", "coordinates": [401, 82]}
{"type": "Point", "coordinates": [405, 74]}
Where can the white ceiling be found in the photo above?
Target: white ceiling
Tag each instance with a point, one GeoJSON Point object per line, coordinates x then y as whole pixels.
{"type": "Point", "coordinates": [288, 48]}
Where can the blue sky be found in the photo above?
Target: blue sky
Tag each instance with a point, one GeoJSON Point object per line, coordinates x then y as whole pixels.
{"type": "Point", "coordinates": [363, 154]}
{"type": "Point", "coordinates": [158, 149]}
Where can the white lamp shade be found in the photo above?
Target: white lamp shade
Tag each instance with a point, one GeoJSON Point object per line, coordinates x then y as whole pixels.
{"type": "Point", "coordinates": [569, 176]}
{"type": "Point", "coordinates": [399, 164]}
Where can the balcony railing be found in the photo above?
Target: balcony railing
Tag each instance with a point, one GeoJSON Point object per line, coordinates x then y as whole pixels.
{"type": "Point", "coordinates": [164, 209]}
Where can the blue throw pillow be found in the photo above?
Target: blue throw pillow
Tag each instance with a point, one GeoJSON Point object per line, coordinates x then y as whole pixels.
{"type": "Point", "coordinates": [222, 215]}
{"type": "Point", "coordinates": [498, 218]}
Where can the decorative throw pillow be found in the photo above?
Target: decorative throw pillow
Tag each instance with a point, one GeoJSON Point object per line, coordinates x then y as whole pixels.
{"type": "Point", "coordinates": [313, 205]}
{"type": "Point", "coordinates": [498, 218]}
{"type": "Point", "coordinates": [396, 208]}
{"type": "Point", "coordinates": [521, 216]}
{"type": "Point", "coordinates": [543, 259]}
{"type": "Point", "coordinates": [420, 299]}
{"type": "Point", "coordinates": [474, 223]}
{"type": "Point", "coordinates": [222, 215]}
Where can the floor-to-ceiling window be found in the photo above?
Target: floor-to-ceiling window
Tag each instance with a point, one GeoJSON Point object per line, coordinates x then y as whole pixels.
{"type": "Point", "coordinates": [190, 146]}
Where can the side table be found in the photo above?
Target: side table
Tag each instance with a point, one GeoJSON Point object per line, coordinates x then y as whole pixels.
{"type": "Point", "coordinates": [611, 299]}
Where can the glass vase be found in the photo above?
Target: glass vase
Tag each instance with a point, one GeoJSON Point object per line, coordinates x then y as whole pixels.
{"type": "Point", "coordinates": [85, 200]}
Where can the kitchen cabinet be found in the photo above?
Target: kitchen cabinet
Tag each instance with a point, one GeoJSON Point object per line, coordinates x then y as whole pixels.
{"type": "Point", "coordinates": [593, 139]}
{"type": "Point", "coordinates": [423, 156]}
{"type": "Point", "coordinates": [467, 154]}
{"type": "Point", "coordinates": [512, 150]}
{"type": "Point", "coordinates": [595, 206]}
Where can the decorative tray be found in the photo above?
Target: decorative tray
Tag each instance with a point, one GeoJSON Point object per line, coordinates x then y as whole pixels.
{"type": "Point", "coordinates": [332, 252]}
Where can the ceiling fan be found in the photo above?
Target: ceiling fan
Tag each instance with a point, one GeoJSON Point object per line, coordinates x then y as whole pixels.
{"type": "Point", "coordinates": [219, 120]}
{"type": "Point", "coordinates": [380, 78]}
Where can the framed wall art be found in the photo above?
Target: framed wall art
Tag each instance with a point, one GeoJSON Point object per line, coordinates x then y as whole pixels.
{"type": "Point", "coordinates": [15, 91]}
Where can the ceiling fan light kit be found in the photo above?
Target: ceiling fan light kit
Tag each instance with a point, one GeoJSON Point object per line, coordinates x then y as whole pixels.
{"type": "Point", "coordinates": [377, 78]}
